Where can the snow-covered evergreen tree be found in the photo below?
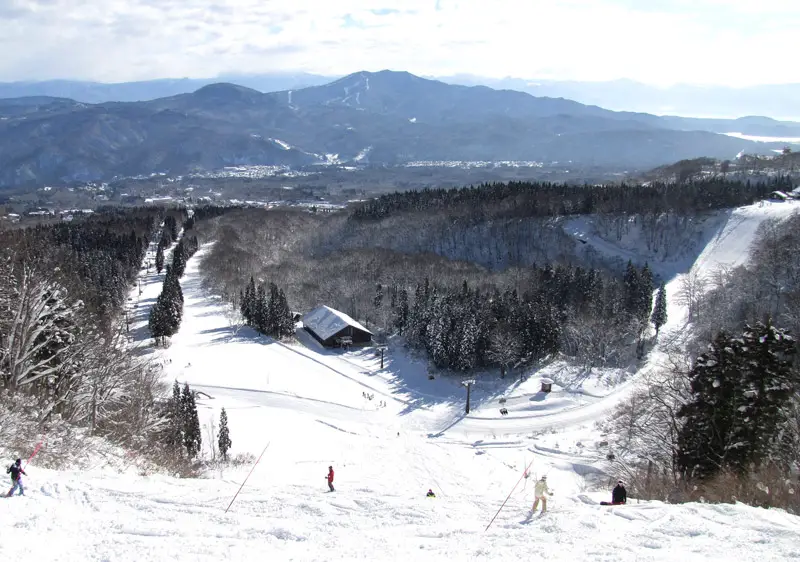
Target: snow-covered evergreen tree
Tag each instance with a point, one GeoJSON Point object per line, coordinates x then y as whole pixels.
{"type": "Point", "coordinates": [248, 304]}
{"type": "Point", "coordinates": [645, 304]}
{"type": "Point", "coordinates": [171, 227]}
{"type": "Point", "coordinates": [261, 310]}
{"type": "Point", "coordinates": [709, 418]}
{"type": "Point", "coordinates": [467, 357]}
{"type": "Point", "coordinates": [192, 438]}
{"type": "Point", "coordinates": [170, 301]}
{"type": "Point", "coordinates": [272, 312]}
{"type": "Point", "coordinates": [659, 317]}
{"type": "Point", "coordinates": [160, 257]}
{"type": "Point", "coordinates": [741, 392]}
{"type": "Point", "coordinates": [632, 293]}
{"type": "Point", "coordinates": [176, 423]}
{"type": "Point", "coordinates": [401, 311]}
{"type": "Point", "coordinates": [438, 334]}
{"type": "Point", "coordinates": [179, 259]}
{"type": "Point", "coordinates": [158, 323]}
{"type": "Point", "coordinates": [415, 328]}
{"type": "Point", "coordinates": [284, 320]}
{"type": "Point", "coordinates": [393, 298]}
{"type": "Point", "coordinates": [224, 439]}
{"type": "Point", "coordinates": [768, 384]}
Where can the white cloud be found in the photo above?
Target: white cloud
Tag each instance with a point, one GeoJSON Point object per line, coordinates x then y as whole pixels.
{"type": "Point", "coordinates": [734, 42]}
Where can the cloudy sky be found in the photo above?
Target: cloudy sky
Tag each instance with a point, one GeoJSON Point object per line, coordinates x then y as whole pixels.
{"type": "Point", "coordinates": [733, 42]}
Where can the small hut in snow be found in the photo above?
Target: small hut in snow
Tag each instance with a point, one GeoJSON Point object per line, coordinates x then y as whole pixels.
{"type": "Point", "coordinates": [333, 328]}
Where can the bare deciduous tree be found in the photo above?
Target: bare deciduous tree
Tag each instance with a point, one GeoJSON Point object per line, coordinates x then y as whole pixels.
{"type": "Point", "coordinates": [211, 438]}
{"type": "Point", "coordinates": [36, 339]}
{"type": "Point", "coordinates": [646, 426]}
{"type": "Point", "coordinates": [105, 379]}
{"type": "Point", "coordinates": [690, 292]}
{"type": "Point", "coordinates": [505, 349]}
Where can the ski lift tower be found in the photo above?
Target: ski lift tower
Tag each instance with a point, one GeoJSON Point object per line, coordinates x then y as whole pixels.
{"type": "Point", "coordinates": [381, 349]}
{"type": "Point", "coordinates": [468, 383]}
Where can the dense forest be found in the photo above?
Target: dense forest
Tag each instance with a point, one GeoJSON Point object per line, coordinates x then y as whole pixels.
{"type": "Point", "coordinates": [522, 199]}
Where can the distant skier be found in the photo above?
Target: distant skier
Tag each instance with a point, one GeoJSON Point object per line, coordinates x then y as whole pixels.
{"type": "Point", "coordinates": [430, 494]}
{"type": "Point", "coordinates": [541, 492]}
{"type": "Point", "coordinates": [619, 496]}
{"type": "Point", "coordinates": [16, 472]}
{"type": "Point", "coordinates": [330, 479]}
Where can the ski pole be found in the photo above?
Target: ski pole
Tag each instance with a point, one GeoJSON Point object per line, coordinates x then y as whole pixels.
{"type": "Point", "coordinates": [35, 450]}
{"type": "Point", "coordinates": [525, 475]}
{"type": "Point", "coordinates": [248, 476]}
{"type": "Point", "coordinates": [509, 495]}
{"type": "Point", "coordinates": [437, 484]}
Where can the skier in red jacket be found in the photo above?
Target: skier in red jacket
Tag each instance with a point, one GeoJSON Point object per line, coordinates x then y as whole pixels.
{"type": "Point", "coordinates": [330, 478]}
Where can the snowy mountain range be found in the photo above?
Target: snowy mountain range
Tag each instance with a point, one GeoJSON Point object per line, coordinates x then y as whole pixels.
{"type": "Point", "coordinates": [383, 118]}
{"type": "Point", "coordinates": [776, 100]}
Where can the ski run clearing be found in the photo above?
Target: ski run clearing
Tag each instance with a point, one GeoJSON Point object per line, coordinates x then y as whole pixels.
{"type": "Point", "coordinates": [390, 435]}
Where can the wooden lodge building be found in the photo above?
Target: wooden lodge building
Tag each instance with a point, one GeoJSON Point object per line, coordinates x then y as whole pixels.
{"type": "Point", "coordinates": [335, 329]}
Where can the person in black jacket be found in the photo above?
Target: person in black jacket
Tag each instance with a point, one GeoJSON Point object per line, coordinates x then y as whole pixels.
{"type": "Point", "coordinates": [619, 495]}
{"type": "Point", "coordinates": [15, 470]}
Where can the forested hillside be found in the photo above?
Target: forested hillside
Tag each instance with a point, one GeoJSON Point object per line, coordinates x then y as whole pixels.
{"type": "Point", "coordinates": [721, 418]}
{"type": "Point", "coordinates": [477, 277]}
{"type": "Point", "coordinates": [67, 367]}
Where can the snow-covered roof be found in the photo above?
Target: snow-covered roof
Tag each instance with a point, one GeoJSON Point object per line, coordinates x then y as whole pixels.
{"type": "Point", "coordinates": [325, 322]}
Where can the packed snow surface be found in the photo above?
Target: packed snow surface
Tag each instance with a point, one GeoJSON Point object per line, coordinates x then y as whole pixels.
{"type": "Point", "coordinates": [95, 517]}
{"type": "Point", "coordinates": [390, 434]}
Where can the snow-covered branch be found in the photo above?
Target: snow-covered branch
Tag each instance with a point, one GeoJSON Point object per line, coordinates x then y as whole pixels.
{"type": "Point", "coordinates": [41, 329]}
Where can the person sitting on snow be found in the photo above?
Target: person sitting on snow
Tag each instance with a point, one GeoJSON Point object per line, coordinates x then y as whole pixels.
{"type": "Point", "coordinates": [619, 495]}
{"type": "Point", "coordinates": [541, 492]}
{"type": "Point", "coordinates": [430, 494]}
{"type": "Point", "coordinates": [16, 479]}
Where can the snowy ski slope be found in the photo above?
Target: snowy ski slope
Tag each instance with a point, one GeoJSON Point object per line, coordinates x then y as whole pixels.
{"type": "Point", "coordinates": [311, 407]}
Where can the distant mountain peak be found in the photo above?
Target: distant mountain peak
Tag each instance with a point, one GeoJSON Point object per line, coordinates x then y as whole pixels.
{"type": "Point", "coordinates": [225, 91]}
{"type": "Point", "coordinates": [389, 76]}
